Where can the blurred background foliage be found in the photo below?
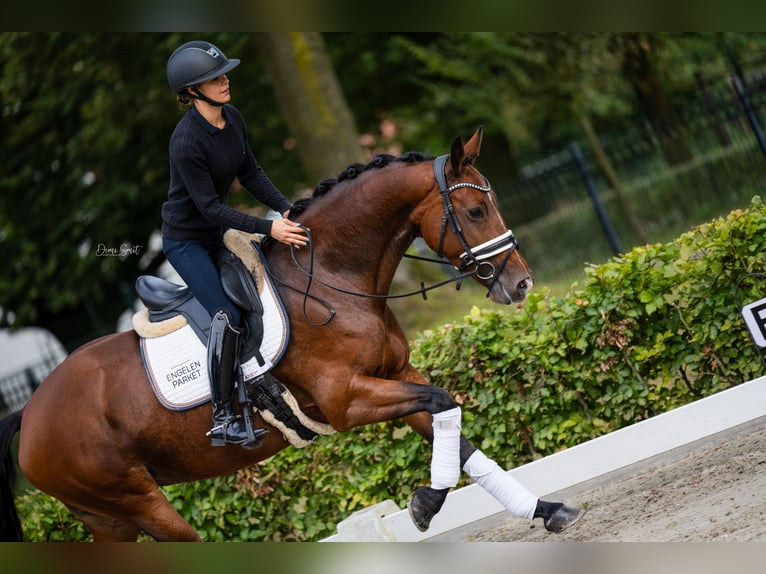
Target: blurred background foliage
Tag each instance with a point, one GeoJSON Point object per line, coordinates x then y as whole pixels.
{"type": "Point", "coordinates": [85, 120]}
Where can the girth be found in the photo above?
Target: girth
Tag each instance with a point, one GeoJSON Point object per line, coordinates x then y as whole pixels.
{"type": "Point", "coordinates": [268, 395]}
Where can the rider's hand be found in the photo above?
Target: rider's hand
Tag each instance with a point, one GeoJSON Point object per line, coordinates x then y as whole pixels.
{"type": "Point", "coordinates": [289, 232]}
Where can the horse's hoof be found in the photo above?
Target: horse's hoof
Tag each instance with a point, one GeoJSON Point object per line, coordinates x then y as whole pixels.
{"type": "Point", "coordinates": [424, 504]}
{"type": "Point", "coordinates": [563, 518]}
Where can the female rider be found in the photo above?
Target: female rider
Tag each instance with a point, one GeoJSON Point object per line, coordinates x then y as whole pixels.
{"type": "Point", "coordinates": [208, 149]}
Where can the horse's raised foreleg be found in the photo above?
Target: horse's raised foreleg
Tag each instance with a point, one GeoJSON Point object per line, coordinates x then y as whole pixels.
{"type": "Point", "coordinates": [428, 409]}
{"type": "Point", "coordinates": [432, 412]}
{"type": "Point", "coordinates": [367, 400]}
{"type": "Point", "coordinates": [427, 501]}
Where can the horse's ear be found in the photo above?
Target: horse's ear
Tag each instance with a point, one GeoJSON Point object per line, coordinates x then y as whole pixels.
{"type": "Point", "coordinates": [473, 145]}
{"type": "Point", "coordinates": [456, 156]}
{"type": "Point", "coordinates": [460, 154]}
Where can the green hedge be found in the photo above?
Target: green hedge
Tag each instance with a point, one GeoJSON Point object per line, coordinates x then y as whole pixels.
{"type": "Point", "coordinates": [644, 333]}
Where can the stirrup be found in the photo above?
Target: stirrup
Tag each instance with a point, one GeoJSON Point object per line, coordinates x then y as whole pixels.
{"type": "Point", "coordinates": [219, 435]}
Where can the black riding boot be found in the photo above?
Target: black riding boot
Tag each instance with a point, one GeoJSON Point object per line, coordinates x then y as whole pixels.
{"type": "Point", "coordinates": [222, 351]}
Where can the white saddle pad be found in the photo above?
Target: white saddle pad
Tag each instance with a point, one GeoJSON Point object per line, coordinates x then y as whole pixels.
{"type": "Point", "coordinates": [176, 362]}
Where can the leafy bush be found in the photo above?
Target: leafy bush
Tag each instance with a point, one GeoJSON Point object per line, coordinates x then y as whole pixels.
{"type": "Point", "coordinates": [646, 332]}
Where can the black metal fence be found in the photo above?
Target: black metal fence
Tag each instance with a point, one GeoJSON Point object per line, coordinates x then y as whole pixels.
{"type": "Point", "coordinates": [567, 213]}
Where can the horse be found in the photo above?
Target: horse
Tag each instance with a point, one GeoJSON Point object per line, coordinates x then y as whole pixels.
{"type": "Point", "coordinates": [95, 437]}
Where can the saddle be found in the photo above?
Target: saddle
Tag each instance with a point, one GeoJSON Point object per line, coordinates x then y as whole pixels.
{"type": "Point", "coordinates": [167, 303]}
{"type": "Point", "coordinates": [174, 329]}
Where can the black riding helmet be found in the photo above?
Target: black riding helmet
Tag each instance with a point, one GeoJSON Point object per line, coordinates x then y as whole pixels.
{"type": "Point", "coordinates": [195, 62]}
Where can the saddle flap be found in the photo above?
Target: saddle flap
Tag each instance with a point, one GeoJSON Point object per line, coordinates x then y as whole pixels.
{"type": "Point", "coordinates": [238, 283]}
{"type": "Point", "coordinates": [159, 294]}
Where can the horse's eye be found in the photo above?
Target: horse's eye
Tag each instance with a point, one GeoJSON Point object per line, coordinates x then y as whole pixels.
{"type": "Point", "coordinates": [476, 213]}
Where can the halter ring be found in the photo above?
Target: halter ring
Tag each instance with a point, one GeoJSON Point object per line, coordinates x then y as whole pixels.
{"type": "Point", "coordinates": [480, 275]}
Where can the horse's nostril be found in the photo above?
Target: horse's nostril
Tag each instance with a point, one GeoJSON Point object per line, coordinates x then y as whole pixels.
{"type": "Point", "coordinates": [525, 285]}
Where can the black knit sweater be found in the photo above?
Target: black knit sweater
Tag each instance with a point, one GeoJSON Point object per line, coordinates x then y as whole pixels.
{"type": "Point", "coordinates": [203, 163]}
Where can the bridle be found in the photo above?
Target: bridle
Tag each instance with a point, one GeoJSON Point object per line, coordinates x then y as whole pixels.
{"type": "Point", "coordinates": [478, 255]}
{"type": "Point", "coordinates": [475, 257]}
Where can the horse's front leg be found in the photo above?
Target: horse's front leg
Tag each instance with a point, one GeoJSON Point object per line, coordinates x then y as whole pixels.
{"type": "Point", "coordinates": [432, 412]}
{"type": "Point", "coordinates": [427, 501]}
{"type": "Point", "coordinates": [451, 452]}
{"type": "Point", "coordinates": [367, 400]}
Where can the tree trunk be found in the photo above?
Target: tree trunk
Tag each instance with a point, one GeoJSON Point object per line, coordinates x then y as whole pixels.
{"type": "Point", "coordinates": [712, 108]}
{"type": "Point", "coordinates": [311, 100]}
{"type": "Point", "coordinates": [653, 99]}
{"type": "Point", "coordinates": [606, 167]}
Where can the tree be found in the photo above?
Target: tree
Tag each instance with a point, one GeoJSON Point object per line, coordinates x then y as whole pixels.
{"type": "Point", "coordinates": [473, 78]}
{"type": "Point", "coordinates": [86, 120]}
{"type": "Point", "coordinates": [82, 171]}
{"type": "Point", "coordinates": [640, 69]}
{"type": "Point", "coordinates": [589, 88]}
{"type": "Point", "coordinates": [312, 102]}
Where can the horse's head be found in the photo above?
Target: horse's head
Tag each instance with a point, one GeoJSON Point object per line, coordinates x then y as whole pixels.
{"type": "Point", "coordinates": [461, 222]}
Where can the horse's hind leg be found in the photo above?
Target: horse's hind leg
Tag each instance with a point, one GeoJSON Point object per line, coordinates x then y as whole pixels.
{"type": "Point", "coordinates": [153, 513]}
{"type": "Point", "coordinates": [106, 529]}
{"type": "Point", "coordinates": [126, 515]}
{"type": "Point", "coordinates": [163, 523]}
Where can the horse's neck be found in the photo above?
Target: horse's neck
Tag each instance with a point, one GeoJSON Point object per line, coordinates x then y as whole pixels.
{"type": "Point", "coordinates": [366, 231]}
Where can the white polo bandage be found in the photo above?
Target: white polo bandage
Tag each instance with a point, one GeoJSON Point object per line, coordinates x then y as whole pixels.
{"type": "Point", "coordinates": [506, 489]}
{"type": "Point", "coordinates": [445, 463]}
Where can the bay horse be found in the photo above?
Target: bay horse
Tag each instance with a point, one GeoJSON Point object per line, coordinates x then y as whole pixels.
{"type": "Point", "coordinates": [94, 436]}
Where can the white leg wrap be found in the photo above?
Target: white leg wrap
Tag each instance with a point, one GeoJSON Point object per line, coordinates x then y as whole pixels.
{"type": "Point", "coordinates": [445, 463]}
{"type": "Point", "coordinates": [506, 489]}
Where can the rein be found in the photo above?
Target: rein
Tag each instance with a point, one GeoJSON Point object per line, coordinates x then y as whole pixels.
{"type": "Point", "coordinates": [475, 256]}
{"type": "Point", "coordinates": [331, 312]}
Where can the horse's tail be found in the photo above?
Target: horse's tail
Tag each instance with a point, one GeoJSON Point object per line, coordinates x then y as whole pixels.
{"type": "Point", "coordinates": [10, 525]}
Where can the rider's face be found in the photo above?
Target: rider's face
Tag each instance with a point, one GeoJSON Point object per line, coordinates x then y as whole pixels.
{"type": "Point", "coordinates": [216, 89]}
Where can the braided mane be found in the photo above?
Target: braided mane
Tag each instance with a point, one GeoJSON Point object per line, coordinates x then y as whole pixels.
{"type": "Point", "coordinates": [352, 172]}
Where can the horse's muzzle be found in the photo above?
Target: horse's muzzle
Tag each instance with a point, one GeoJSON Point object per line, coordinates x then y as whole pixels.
{"type": "Point", "coordinates": [522, 288]}
{"type": "Point", "coordinates": [502, 294]}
